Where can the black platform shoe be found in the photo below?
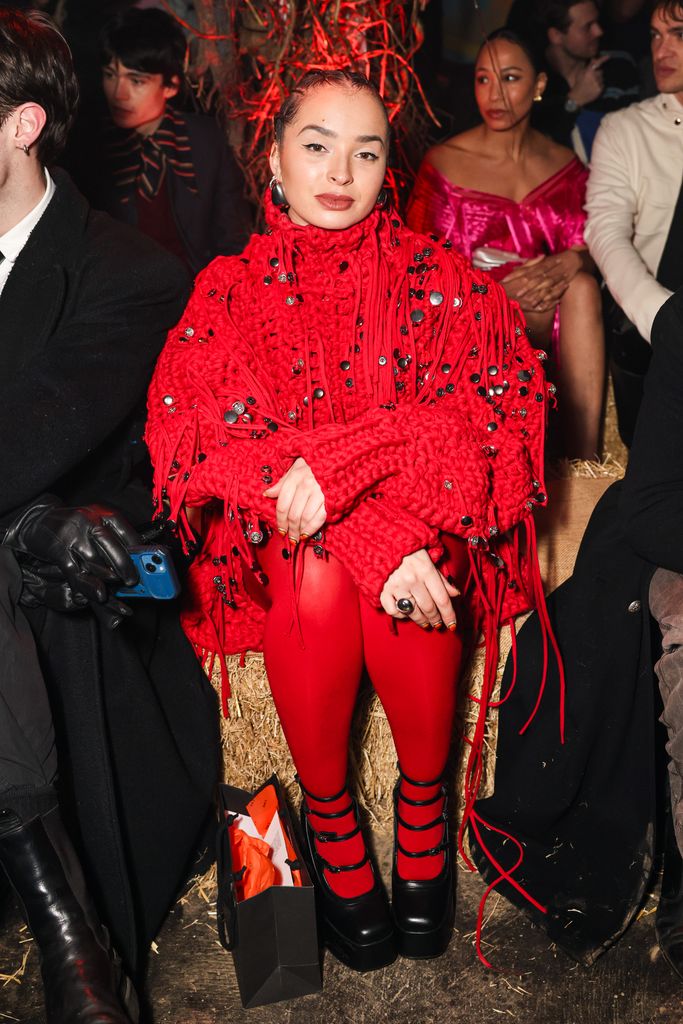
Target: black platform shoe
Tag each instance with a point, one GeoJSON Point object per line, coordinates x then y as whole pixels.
{"type": "Point", "coordinates": [424, 910]}
{"type": "Point", "coordinates": [669, 916]}
{"type": "Point", "coordinates": [356, 930]}
{"type": "Point", "coordinates": [82, 982]}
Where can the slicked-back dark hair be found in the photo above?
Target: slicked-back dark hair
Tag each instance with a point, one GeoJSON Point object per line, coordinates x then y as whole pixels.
{"type": "Point", "coordinates": [311, 80]}
{"type": "Point", "coordinates": [36, 67]}
{"type": "Point", "coordinates": [509, 36]}
{"type": "Point", "coordinates": [148, 40]}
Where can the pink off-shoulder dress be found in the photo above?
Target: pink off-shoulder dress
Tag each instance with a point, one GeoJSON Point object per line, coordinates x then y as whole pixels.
{"type": "Point", "coordinates": [550, 219]}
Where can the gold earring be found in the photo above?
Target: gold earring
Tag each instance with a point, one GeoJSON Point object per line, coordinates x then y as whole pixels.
{"type": "Point", "coordinates": [538, 97]}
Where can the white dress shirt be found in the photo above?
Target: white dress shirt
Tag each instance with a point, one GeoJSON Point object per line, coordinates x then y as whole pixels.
{"type": "Point", "coordinates": [14, 240]}
{"type": "Point", "coordinates": [635, 178]}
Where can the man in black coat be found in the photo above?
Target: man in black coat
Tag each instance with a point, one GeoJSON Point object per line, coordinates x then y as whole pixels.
{"type": "Point", "coordinates": [652, 512]}
{"type": "Point", "coordinates": [591, 813]}
{"type": "Point", "coordinates": [172, 174]}
{"type": "Point", "coordinates": [126, 714]}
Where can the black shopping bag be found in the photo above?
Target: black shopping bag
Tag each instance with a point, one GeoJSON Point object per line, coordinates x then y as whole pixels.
{"type": "Point", "coordinates": [272, 935]}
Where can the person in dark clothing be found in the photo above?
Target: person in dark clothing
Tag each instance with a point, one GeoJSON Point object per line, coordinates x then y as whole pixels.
{"type": "Point", "coordinates": [592, 812]}
{"type": "Point", "coordinates": [583, 83]}
{"type": "Point", "coordinates": [125, 714]}
{"type": "Point", "coordinates": [170, 173]}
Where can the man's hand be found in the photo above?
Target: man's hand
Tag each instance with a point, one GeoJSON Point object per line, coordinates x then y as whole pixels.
{"type": "Point", "coordinates": [589, 82]}
{"type": "Point", "coordinates": [89, 548]}
{"type": "Point", "coordinates": [418, 579]}
{"type": "Point", "coordinates": [300, 509]}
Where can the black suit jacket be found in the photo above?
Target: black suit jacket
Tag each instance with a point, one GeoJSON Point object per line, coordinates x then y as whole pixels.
{"type": "Point", "coordinates": [84, 313]}
{"type": "Point", "coordinates": [215, 221]}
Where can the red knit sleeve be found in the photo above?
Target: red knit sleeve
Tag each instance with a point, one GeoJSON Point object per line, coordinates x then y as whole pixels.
{"type": "Point", "coordinates": [208, 428]}
{"type": "Point", "coordinates": [467, 456]}
{"type": "Point", "coordinates": [373, 540]}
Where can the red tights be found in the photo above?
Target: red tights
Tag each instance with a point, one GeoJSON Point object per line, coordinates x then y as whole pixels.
{"type": "Point", "coordinates": [315, 686]}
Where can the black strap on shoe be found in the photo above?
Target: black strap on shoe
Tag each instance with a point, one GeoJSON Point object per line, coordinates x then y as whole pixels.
{"type": "Point", "coordinates": [327, 815]}
{"type": "Point", "coordinates": [331, 815]}
{"type": "Point", "coordinates": [441, 794]}
{"type": "Point", "coordinates": [431, 852]}
{"type": "Point", "coordinates": [441, 819]}
{"type": "Point", "coordinates": [335, 837]}
{"type": "Point", "coordinates": [338, 868]}
{"type": "Point", "coordinates": [320, 799]}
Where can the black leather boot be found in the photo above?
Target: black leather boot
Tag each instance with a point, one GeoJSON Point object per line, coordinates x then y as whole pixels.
{"type": "Point", "coordinates": [424, 910]}
{"type": "Point", "coordinates": [669, 916]}
{"type": "Point", "coordinates": [82, 983]}
{"type": "Point", "coordinates": [358, 931]}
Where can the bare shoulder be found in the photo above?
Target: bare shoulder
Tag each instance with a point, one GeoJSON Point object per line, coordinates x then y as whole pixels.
{"type": "Point", "coordinates": [551, 156]}
{"type": "Point", "coordinates": [453, 157]}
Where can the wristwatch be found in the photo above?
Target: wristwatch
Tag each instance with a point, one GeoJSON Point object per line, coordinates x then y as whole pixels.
{"type": "Point", "coordinates": [570, 105]}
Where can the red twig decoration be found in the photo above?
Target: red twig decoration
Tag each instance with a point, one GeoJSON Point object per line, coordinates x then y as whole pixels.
{"type": "Point", "coordinates": [251, 52]}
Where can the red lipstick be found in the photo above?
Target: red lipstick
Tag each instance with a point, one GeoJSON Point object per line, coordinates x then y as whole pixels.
{"type": "Point", "coordinates": [334, 201]}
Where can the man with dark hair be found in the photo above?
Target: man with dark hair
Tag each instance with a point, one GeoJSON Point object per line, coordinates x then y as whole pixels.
{"type": "Point", "coordinates": [170, 173]}
{"type": "Point", "coordinates": [583, 83]}
{"type": "Point", "coordinates": [126, 712]}
{"type": "Point", "coordinates": [635, 210]}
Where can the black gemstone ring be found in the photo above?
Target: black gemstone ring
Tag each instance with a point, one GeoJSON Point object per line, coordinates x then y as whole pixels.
{"type": "Point", "coordinates": [405, 605]}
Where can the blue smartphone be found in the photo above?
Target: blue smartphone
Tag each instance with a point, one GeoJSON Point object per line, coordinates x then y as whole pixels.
{"type": "Point", "coordinates": [158, 578]}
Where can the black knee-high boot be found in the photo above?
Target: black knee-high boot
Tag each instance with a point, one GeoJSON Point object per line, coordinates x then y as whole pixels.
{"type": "Point", "coordinates": [669, 916]}
{"type": "Point", "coordinates": [82, 982]}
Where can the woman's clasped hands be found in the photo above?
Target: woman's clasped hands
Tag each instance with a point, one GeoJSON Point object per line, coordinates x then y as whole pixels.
{"type": "Point", "coordinates": [300, 512]}
{"type": "Point", "coordinates": [540, 283]}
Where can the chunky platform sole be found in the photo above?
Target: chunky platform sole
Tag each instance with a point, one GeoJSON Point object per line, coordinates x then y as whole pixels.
{"type": "Point", "coordinates": [359, 958]}
{"type": "Point", "coordinates": [425, 945]}
{"type": "Point", "coordinates": [359, 931]}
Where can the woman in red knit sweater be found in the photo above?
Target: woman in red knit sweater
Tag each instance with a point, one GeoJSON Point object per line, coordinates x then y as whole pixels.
{"type": "Point", "coordinates": [358, 417]}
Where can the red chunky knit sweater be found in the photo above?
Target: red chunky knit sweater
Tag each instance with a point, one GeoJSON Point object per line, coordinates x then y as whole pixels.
{"type": "Point", "coordinates": [404, 379]}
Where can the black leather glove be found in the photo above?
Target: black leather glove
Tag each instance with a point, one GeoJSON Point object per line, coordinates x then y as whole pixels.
{"type": "Point", "coordinates": [89, 548]}
{"type": "Point", "coordinates": [47, 588]}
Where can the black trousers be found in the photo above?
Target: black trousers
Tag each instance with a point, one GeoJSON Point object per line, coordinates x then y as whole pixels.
{"type": "Point", "coordinates": [28, 755]}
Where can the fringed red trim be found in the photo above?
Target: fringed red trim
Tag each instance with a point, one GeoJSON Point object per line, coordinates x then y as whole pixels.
{"type": "Point", "coordinates": [490, 595]}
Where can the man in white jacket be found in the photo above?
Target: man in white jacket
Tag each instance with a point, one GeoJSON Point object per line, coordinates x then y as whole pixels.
{"type": "Point", "coordinates": [634, 186]}
{"type": "Point", "coordinates": [636, 170]}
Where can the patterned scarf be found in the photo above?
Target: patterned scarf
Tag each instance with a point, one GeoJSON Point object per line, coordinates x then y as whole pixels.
{"type": "Point", "coordinates": [139, 162]}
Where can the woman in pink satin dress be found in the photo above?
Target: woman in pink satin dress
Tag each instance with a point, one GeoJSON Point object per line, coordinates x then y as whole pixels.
{"type": "Point", "coordinates": [512, 201]}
